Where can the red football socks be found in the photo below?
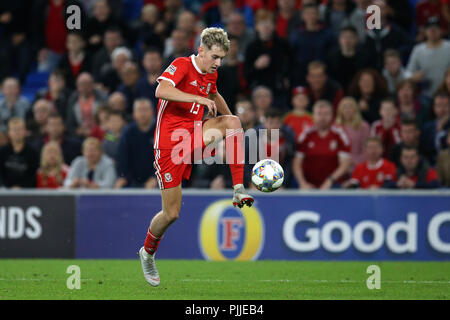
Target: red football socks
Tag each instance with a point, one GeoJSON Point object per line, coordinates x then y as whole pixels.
{"type": "Point", "coordinates": [151, 243]}
{"type": "Point", "coordinates": [235, 154]}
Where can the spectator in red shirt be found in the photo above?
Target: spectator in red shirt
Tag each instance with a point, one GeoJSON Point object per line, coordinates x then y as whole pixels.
{"type": "Point", "coordinates": [426, 9]}
{"type": "Point", "coordinates": [388, 128]}
{"type": "Point", "coordinates": [299, 119]}
{"type": "Point", "coordinates": [323, 151]}
{"type": "Point", "coordinates": [288, 18]}
{"type": "Point", "coordinates": [372, 173]}
{"type": "Point", "coordinates": [321, 87]}
{"type": "Point", "coordinates": [53, 170]}
{"type": "Point", "coordinates": [413, 172]}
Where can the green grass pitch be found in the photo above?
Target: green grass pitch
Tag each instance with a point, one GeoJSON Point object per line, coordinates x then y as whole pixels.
{"type": "Point", "coordinates": [205, 280]}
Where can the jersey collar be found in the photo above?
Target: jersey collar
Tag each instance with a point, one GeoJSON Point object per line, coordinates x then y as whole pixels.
{"type": "Point", "coordinates": [195, 65]}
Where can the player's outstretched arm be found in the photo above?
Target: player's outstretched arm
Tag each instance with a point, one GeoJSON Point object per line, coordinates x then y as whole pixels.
{"type": "Point", "coordinates": [167, 91]}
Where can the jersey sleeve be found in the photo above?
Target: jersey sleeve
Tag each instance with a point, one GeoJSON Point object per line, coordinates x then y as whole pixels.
{"type": "Point", "coordinates": [343, 145]}
{"type": "Point", "coordinates": [175, 72]}
{"type": "Point", "coordinates": [357, 174]}
{"type": "Point", "coordinates": [301, 145]}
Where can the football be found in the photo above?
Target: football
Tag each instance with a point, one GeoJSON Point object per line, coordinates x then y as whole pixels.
{"type": "Point", "coordinates": [267, 175]}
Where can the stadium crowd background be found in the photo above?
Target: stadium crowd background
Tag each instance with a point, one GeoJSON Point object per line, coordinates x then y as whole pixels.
{"type": "Point", "coordinates": [355, 107]}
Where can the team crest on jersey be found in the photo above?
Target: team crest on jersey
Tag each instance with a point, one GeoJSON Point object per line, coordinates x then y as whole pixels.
{"type": "Point", "coordinates": [167, 177]}
{"type": "Point", "coordinates": [171, 69]}
{"type": "Point", "coordinates": [333, 145]}
{"type": "Point", "coordinates": [311, 144]}
{"type": "Point", "coordinates": [380, 176]}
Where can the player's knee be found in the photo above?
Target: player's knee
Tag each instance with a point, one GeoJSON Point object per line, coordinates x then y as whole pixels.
{"type": "Point", "coordinates": [172, 214]}
{"type": "Point", "coordinates": [232, 122]}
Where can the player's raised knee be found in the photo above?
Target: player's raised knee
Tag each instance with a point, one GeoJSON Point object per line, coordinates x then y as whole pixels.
{"type": "Point", "coordinates": [172, 215]}
{"type": "Point", "coordinates": [232, 121]}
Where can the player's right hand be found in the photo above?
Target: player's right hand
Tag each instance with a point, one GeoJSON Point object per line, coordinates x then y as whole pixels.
{"type": "Point", "coordinates": [210, 104]}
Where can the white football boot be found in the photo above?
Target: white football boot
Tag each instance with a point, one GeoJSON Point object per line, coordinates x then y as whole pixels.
{"type": "Point", "coordinates": [149, 267]}
{"type": "Point", "coordinates": [241, 197]}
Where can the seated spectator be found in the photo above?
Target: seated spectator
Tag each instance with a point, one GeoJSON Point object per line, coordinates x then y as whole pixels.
{"type": "Point", "coordinates": [181, 47]}
{"type": "Point", "coordinates": [393, 70]}
{"type": "Point", "coordinates": [71, 147]}
{"type": "Point", "coordinates": [109, 78]}
{"type": "Point", "coordinates": [445, 84]}
{"type": "Point", "coordinates": [389, 36]}
{"type": "Point", "coordinates": [357, 130]}
{"type": "Point", "coordinates": [117, 102]}
{"type": "Point", "coordinates": [146, 86]}
{"type": "Point", "coordinates": [56, 92]}
{"type": "Point", "coordinates": [18, 160]}
{"type": "Point", "coordinates": [136, 154]}
{"type": "Point", "coordinates": [435, 130]}
{"type": "Point", "coordinates": [76, 60]}
{"type": "Point", "coordinates": [372, 173]}
{"type": "Point", "coordinates": [413, 172]}
{"type": "Point", "coordinates": [321, 87]}
{"type": "Point", "coordinates": [246, 113]}
{"type": "Point", "coordinates": [430, 59]}
{"type": "Point", "coordinates": [310, 42]}
{"type": "Point", "coordinates": [388, 128]}
{"type": "Point", "coordinates": [82, 107]}
{"type": "Point", "coordinates": [267, 58]}
{"type": "Point", "coordinates": [443, 164]}
{"type": "Point", "coordinates": [186, 22]}
{"type": "Point", "coordinates": [299, 119]}
{"type": "Point", "coordinates": [335, 13]}
{"type": "Point", "coordinates": [101, 122]}
{"type": "Point", "coordinates": [102, 19]}
{"type": "Point", "coordinates": [262, 99]}
{"type": "Point", "coordinates": [150, 29]}
{"type": "Point", "coordinates": [12, 104]}
{"type": "Point", "coordinates": [236, 28]}
{"type": "Point", "coordinates": [323, 152]}
{"type": "Point", "coordinates": [111, 40]}
{"type": "Point", "coordinates": [358, 18]}
{"type": "Point", "coordinates": [281, 150]}
{"type": "Point", "coordinates": [115, 124]}
{"type": "Point", "coordinates": [344, 61]}
{"type": "Point", "coordinates": [130, 77]}
{"type": "Point", "coordinates": [92, 170]}
{"type": "Point", "coordinates": [231, 81]}
{"type": "Point", "coordinates": [425, 9]}
{"type": "Point", "coordinates": [287, 19]}
{"type": "Point", "coordinates": [37, 126]}
{"type": "Point", "coordinates": [53, 170]}
{"type": "Point", "coordinates": [409, 136]}
{"type": "Point", "coordinates": [368, 87]}
{"type": "Point", "coordinates": [411, 105]}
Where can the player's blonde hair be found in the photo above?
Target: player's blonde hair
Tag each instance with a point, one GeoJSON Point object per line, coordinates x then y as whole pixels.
{"type": "Point", "coordinates": [214, 36]}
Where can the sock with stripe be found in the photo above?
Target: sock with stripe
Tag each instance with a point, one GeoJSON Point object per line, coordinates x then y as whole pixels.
{"type": "Point", "coordinates": [151, 243]}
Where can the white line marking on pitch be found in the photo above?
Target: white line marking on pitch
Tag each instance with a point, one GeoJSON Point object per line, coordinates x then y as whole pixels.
{"type": "Point", "coordinates": [324, 281]}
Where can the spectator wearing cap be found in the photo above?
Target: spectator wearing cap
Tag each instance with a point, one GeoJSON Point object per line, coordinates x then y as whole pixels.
{"type": "Point", "coordinates": [12, 104]}
{"type": "Point", "coordinates": [110, 76]}
{"type": "Point", "coordinates": [267, 58]}
{"type": "Point", "coordinates": [344, 61]}
{"type": "Point", "coordinates": [388, 127]}
{"type": "Point", "coordinates": [92, 170]}
{"type": "Point", "coordinates": [426, 9]}
{"type": "Point", "coordinates": [146, 86]}
{"type": "Point", "coordinates": [443, 163]}
{"type": "Point", "coordinates": [375, 171]}
{"type": "Point", "coordinates": [323, 152]}
{"type": "Point", "coordinates": [413, 172]}
{"type": "Point", "coordinates": [76, 60]}
{"type": "Point", "coordinates": [434, 131]}
{"type": "Point", "coordinates": [429, 60]}
{"type": "Point", "coordinates": [357, 129]}
{"type": "Point", "coordinates": [299, 118]}
{"type": "Point", "coordinates": [321, 87]}
{"type": "Point", "coordinates": [393, 71]}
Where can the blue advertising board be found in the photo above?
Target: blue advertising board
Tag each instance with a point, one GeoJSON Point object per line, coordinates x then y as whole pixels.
{"type": "Point", "coordinates": [279, 226]}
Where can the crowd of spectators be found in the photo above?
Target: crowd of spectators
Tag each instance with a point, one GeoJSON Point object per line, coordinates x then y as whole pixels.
{"type": "Point", "coordinates": [354, 107]}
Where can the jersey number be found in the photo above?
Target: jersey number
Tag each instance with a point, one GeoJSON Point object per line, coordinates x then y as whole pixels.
{"type": "Point", "coordinates": [195, 108]}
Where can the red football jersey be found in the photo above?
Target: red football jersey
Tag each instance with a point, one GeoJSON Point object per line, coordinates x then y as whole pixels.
{"type": "Point", "coordinates": [389, 137]}
{"type": "Point", "coordinates": [368, 175]}
{"type": "Point", "coordinates": [321, 154]}
{"type": "Point", "coordinates": [185, 75]}
{"type": "Point", "coordinates": [298, 123]}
